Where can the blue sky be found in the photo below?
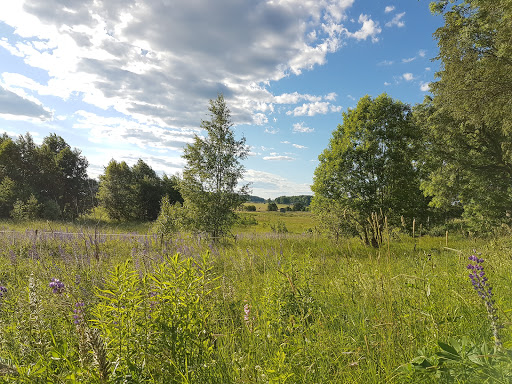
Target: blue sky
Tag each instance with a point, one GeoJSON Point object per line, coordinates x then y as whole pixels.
{"type": "Point", "coordinates": [128, 79]}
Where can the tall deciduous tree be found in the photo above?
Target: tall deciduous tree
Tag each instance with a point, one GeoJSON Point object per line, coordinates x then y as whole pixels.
{"type": "Point", "coordinates": [52, 176]}
{"type": "Point", "coordinates": [115, 192]}
{"type": "Point", "coordinates": [369, 168]}
{"type": "Point", "coordinates": [469, 120]}
{"type": "Point", "coordinates": [212, 174]}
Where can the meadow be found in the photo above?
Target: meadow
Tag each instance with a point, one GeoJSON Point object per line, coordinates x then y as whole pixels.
{"type": "Point", "coordinates": [110, 304]}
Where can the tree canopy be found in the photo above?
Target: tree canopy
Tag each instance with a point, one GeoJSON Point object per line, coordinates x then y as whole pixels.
{"type": "Point", "coordinates": [135, 193]}
{"type": "Point", "coordinates": [52, 176]}
{"type": "Point", "coordinates": [369, 167]}
{"type": "Point", "coordinates": [468, 122]}
{"type": "Point", "coordinates": [212, 173]}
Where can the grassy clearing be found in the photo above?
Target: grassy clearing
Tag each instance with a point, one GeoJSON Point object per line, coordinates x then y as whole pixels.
{"type": "Point", "coordinates": [268, 308]}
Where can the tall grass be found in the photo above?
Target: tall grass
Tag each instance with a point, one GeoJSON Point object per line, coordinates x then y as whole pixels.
{"type": "Point", "coordinates": [266, 308]}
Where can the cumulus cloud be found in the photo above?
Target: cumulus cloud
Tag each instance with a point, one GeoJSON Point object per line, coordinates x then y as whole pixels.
{"type": "Point", "coordinates": [389, 8]}
{"type": "Point", "coordinates": [119, 129]}
{"type": "Point", "coordinates": [408, 76]}
{"type": "Point", "coordinates": [369, 28]}
{"type": "Point", "coordinates": [301, 128]}
{"type": "Point", "coordinates": [396, 21]}
{"type": "Point", "coordinates": [312, 109]}
{"type": "Point", "coordinates": [158, 63]}
{"type": "Point", "coordinates": [425, 87]}
{"type": "Point", "coordinates": [15, 106]}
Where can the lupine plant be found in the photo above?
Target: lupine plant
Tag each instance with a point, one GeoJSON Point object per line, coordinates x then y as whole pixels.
{"type": "Point", "coordinates": [462, 359]}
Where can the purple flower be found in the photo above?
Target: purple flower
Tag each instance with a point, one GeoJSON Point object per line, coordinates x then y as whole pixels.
{"type": "Point", "coordinates": [78, 314]}
{"type": "Point", "coordinates": [481, 285]}
{"type": "Point", "coordinates": [3, 291]}
{"type": "Point", "coordinates": [56, 285]}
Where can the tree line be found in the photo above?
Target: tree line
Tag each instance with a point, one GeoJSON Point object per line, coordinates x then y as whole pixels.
{"type": "Point", "coordinates": [448, 157]}
{"type": "Point", "coordinates": [50, 181]}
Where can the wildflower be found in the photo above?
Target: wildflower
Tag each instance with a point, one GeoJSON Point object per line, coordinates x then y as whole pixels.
{"type": "Point", "coordinates": [247, 312]}
{"type": "Point", "coordinates": [78, 314]}
{"type": "Point", "coordinates": [3, 291]}
{"type": "Point", "coordinates": [481, 285]}
{"type": "Point", "coordinates": [57, 285]}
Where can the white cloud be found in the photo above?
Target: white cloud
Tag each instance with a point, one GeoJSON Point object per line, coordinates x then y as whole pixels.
{"type": "Point", "coordinates": [159, 67]}
{"type": "Point", "coordinates": [396, 21]}
{"type": "Point", "coordinates": [118, 129]}
{"type": "Point", "coordinates": [427, 69]}
{"type": "Point", "coordinates": [386, 83]}
{"type": "Point", "coordinates": [312, 109]}
{"type": "Point", "coordinates": [331, 96]}
{"type": "Point", "coordinates": [278, 158]}
{"type": "Point", "coordinates": [389, 8]}
{"type": "Point", "coordinates": [408, 76]}
{"type": "Point", "coordinates": [369, 28]}
{"type": "Point", "coordinates": [408, 60]}
{"type": "Point", "coordinates": [271, 130]}
{"type": "Point", "coordinates": [425, 87]}
{"type": "Point", "coordinates": [422, 53]}
{"type": "Point", "coordinates": [298, 146]}
{"type": "Point", "coordinates": [386, 62]}
{"type": "Point", "coordinates": [300, 128]}
{"type": "Point", "coordinates": [267, 184]}
{"type": "Point", "coordinates": [259, 119]}
{"type": "Point", "coordinates": [294, 98]}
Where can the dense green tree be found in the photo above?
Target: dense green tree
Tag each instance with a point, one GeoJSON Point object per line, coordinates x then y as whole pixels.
{"type": "Point", "coordinates": [468, 123]}
{"type": "Point", "coordinates": [52, 174]}
{"type": "Point", "coordinates": [368, 169]}
{"type": "Point", "coordinates": [135, 193]}
{"type": "Point", "coordinates": [63, 175]}
{"type": "Point", "coordinates": [212, 173]}
{"type": "Point", "coordinates": [147, 190]}
{"type": "Point", "coordinates": [115, 192]}
{"type": "Point", "coordinates": [271, 206]}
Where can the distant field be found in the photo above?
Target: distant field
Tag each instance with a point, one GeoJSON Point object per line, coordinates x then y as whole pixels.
{"type": "Point", "coordinates": [295, 222]}
{"type": "Point", "coordinates": [262, 207]}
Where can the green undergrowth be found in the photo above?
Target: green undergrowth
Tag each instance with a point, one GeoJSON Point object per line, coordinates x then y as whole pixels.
{"type": "Point", "coordinates": [262, 308]}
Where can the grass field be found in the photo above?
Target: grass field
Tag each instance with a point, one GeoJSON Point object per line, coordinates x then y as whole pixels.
{"type": "Point", "coordinates": [267, 308]}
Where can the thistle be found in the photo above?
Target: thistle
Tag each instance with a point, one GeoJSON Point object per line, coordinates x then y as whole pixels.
{"type": "Point", "coordinates": [483, 288]}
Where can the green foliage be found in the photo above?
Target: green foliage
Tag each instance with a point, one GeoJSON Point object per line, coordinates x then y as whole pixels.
{"type": "Point", "coordinates": [172, 218]}
{"type": "Point", "coordinates": [279, 227]}
{"type": "Point", "coordinates": [271, 207]}
{"type": "Point", "coordinates": [304, 200]}
{"type": "Point", "coordinates": [250, 208]}
{"type": "Point", "coordinates": [286, 308]}
{"type": "Point", "coordinates": [134, 193]}
{"type": "Point", "coordinates": [212, 174]}
{"type": "Point", "coordinates": [53, 173]}
{"type": "Point", "coordinates": [28, 210]}
{"type": "Point", "coordinates": [468, 123]}
{"type": "Point", "coordinates": [369, 167]}
{"type": "Point", "coordinates": [115, 192]}
{"type": "Point", "coordinates": [462, 360]}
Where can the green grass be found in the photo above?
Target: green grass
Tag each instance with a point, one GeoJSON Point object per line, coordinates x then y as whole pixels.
{"type": "Point", "coordinates": [318, 312]}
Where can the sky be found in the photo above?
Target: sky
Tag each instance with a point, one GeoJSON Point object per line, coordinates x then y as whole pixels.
{"type": "Point", "coordinates": [130, 79]}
